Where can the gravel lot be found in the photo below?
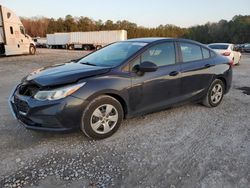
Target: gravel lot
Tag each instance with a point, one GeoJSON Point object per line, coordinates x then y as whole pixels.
{"type": "Point", "coordinates": [187, 146]}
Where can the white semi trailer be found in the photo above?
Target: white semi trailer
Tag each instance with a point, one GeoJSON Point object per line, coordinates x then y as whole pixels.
{"type": "Point", "coordinates": [58, 40]}
{"type": "Point", "coordinates": [85, 40]}
{"type": "Point", "coordinates": [13, 39]}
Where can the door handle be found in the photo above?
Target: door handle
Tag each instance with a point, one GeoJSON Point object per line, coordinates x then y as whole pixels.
{"type": "Point", "coordinates": [174, 73]}
{"type": "Point", "coordinates": [207, 65]}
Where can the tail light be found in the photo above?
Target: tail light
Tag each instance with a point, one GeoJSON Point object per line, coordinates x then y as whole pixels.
{"type": "Point", "coordinates": [226, 53]}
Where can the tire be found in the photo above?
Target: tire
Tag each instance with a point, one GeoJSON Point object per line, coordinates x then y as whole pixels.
{"type": "Point", "coordinates": [32, 50]}
{"type": "Point", "coordinates": [71, 47]}
{"type": "Point", "coordinates": [96, 115]}
{"type": "Point", "coordinates": [215, 94]}
{"type": "Point", "coordinates": [98, 47]}
{"type": "Point", "coordinates": [86, 48]}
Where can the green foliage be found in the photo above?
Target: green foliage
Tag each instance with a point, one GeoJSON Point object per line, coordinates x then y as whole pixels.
{"type": "Point", "coordinates": [236, 31]}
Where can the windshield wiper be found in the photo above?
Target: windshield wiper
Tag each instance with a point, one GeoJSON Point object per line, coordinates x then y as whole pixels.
{"type": "Point", "coordinates": [87, 63]}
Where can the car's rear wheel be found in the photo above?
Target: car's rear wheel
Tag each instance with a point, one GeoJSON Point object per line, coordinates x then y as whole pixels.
{"type": "Point", "coordinates": [102, 117]}
{"type": "Point", "coordinates": [215, 94]}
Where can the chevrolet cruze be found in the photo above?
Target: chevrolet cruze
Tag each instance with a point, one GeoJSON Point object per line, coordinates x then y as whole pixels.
{"type": "Point", "coordinates": [122, 80]}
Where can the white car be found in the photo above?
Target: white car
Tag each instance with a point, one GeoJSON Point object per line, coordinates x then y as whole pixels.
{"type": "Point", "coordinates": [228, 50]}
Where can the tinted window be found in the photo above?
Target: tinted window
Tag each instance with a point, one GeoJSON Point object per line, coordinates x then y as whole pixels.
{"type": "Point", "coordinates": [190, 52]}
{"type": "Point", "coordinates": [212, 54]}
{"type": "Point", "coordinates": [206, 53]}
{"type": "Point", "coordinates": [218, 46]}
{"type": "Point", "coordinates": [11, 30]}
{"type": "Point", "coordinates": [113, 54]}
{"type": "Point", "coordinates": [22, 30]}
{"type": "Point", "coordinates": [161, 54]}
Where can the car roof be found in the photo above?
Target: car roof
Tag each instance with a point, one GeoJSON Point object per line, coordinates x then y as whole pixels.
{"type": "Point", "coordinates": [220, 44]}
{"type": "Point", "coordinates": [159, 39]}
{"type": "Point", "coordinates": [148, 39]}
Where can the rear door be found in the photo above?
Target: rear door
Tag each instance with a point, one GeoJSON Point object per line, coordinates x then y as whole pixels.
{"type": "Point", "coordinates": [195, 69]}
{"type": "Point", "coordinates": [154, 90]}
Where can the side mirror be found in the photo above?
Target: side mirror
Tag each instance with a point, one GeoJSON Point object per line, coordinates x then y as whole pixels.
{"type": "Point", "coordinates": [146, 66]}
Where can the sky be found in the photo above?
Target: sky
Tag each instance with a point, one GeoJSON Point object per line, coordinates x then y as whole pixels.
{"type": "Point", "coordinates": [148, 13]}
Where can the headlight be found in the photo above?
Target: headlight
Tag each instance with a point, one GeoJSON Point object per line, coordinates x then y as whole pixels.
{"type": "Point", "coordinates": [58, 93]}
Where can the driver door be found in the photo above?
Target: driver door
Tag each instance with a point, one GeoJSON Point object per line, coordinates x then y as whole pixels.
{"type": "Point", "coordinates": [156, 90]}
{"type": "Point", "coordinates": [23, 40]}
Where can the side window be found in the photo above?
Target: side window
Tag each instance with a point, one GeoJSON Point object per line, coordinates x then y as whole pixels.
{"type": "Point", "coordinates": [212, 54]}
{"type": "Point", "coordinates": [161, 54]}
{"type": "Point", "coordinates": [22, 30]}
{"type": "Point", "coordinates": [206, 53]}
{"type": "Point", "coordinates": [190, 52]}
{"type": "Point", "coordinates": [11, 30]}
{"type": "Point", "coordinates": [135, 62]}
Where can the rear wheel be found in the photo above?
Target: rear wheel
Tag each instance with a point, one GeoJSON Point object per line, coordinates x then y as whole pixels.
{"type": "Point", "coordinates": [86, 47]}
{"type": "Point", "coordinates": [215, 94]}
{"type": "Point", "coordinates": [98, 47]}
{"type": "Point", "coordinates": [71, 47]}
{"type": "Point", "coordinates": [102, 117]}
{"type": "Point", "coordinates": [32, 50]}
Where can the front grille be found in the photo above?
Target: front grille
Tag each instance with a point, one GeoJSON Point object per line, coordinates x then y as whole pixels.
{"type": "Point", "coordinates": [21, 105]}
{"type": "Point", "coordinates": [28, 90]}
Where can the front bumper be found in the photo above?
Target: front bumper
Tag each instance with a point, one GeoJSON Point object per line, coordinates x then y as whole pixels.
{"type": "Point", "coordinates": [59, 115]}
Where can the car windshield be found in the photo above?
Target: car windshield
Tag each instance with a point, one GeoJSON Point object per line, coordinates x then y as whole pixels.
{"type": "Point", "coordinates": [112, 55]}
{"type": "Point", "coordinates": [218, 46]}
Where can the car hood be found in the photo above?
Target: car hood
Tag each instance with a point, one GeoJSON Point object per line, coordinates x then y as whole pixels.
{"type": "Point", "coordinates": [64, 74]}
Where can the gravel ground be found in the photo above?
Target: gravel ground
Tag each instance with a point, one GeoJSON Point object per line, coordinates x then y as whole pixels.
{"type": "Point", "coordinates": [186, 146]}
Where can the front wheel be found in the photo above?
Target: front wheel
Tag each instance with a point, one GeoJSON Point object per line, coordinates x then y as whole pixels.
{"type": "Point", "coordinates": [32, 50]}
{"type": "Point", "coordinates": [102, 117]}
{"type": "Point", "coordinates": [215, 94]}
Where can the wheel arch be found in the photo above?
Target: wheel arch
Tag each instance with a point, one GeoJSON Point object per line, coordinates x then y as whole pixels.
{"type": "Point", "coordinates": [121, 100]}
{"type": "Point", "coordinates": [223, 80]}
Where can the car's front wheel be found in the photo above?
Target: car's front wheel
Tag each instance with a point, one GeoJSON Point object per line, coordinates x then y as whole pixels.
{"type": "Point", "coordinates": [32, 50]}
{"type": "Point", "coordinates": [102, 117]}
{"type": "Point", "coordinates": [215, 94]}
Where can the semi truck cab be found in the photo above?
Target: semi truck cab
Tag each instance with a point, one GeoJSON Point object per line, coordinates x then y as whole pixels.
{"type": "Point", "coordinates": [13, 39]}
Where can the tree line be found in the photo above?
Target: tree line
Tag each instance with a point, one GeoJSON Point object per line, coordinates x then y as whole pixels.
{"type": "Point", "coordinates": [236, 30]}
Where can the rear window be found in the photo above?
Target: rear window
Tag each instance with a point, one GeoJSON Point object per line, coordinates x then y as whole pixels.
{"type": "Point", "coordinates": [218, 46]}
{"type": "Point", "coordinates": [206, 53]}
{"type": "Point", "coordinates": [190, 52]}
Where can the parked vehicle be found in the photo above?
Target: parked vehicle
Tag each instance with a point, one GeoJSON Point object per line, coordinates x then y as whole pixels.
{"type": "Point", "coordinates": [122, 80]}
{"type": "Point", "coordinates": [246, 48]}
{"type": "Point", "coordinates": [85, 40]}
{"type": "Point", "coordinates": [227, 50]}
{"type": "Point", "coordinates": [238, 47]}
{"type": "Point", "coordinates": [58, 40]}
{"type": "Point", "coordinates": [40, 42]}
{"type": "Point", "coordinates": [13, 39]}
